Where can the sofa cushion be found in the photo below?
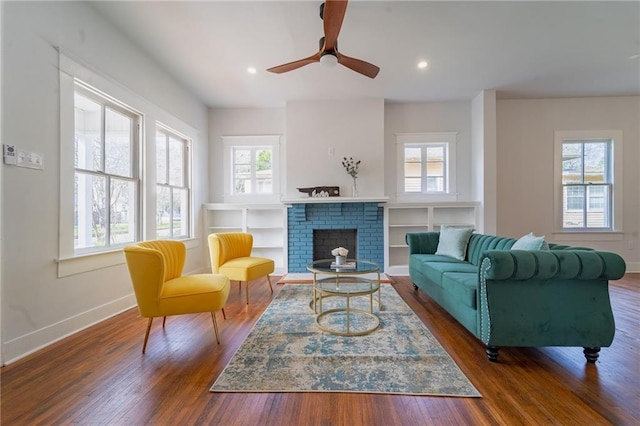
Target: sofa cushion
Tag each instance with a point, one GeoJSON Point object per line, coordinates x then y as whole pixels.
{"type": "Point", "coordinates": [434, 270]}
{"type": "Point", "coordinates": [530, 242]}
{"type": "Point", "coordinates": [453, 241]}
{"type": "Point", "coordinates": [463, 286]}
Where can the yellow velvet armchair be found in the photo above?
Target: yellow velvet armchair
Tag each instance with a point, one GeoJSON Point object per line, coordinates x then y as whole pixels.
{"type": "Point", "coordinates": [231, 256]}
{"type": "Point", "coordinates": [155, 268]}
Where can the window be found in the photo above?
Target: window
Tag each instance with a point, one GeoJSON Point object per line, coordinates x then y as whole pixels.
{"type": "Point", "coordinates": [172, 184]}
{"type": "Point", "coordinates": [425, 167]}
{"type": "Point", "coordinates": [586, 182]}
{"type": "Point", "coordinates": [425, 163]}
{"type": "Point", "coordinates": [106, 182]}
{"type": "Point", "coordinates": [252, 170]}
{"type": "Point", "coordinates": [589, 175]}
{"type": "Point", "coordinates": [252, 167]}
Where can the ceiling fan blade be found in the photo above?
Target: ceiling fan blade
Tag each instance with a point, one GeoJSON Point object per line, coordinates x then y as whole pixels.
{"type": "Point", "coordinates": [362, 67]}
{"type": "Point", "coordinates": [295, 64]}
{"type": "Point", "coordinates": [334, 11]}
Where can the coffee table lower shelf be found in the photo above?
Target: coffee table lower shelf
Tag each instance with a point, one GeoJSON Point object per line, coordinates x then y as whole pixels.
{"type": "Point", "coordinates": [348, 312]}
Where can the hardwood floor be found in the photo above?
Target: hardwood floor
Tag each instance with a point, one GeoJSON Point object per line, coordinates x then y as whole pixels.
{"type": "Point", "coordinates": [99, 376]}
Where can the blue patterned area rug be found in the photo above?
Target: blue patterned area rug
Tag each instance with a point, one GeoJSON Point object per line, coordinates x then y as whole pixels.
{"type": "Point", "coordinates": [286, 352]}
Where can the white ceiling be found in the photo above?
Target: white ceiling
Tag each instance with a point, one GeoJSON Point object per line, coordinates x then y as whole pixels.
{"type": "Point", "coordinates": [521, 49]}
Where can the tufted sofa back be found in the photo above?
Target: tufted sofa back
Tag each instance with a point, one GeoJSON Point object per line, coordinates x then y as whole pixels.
{"type": "Point", "coordinates": [479, 243]}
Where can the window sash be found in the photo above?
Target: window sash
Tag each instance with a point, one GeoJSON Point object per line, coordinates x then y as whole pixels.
{"type": "Point", "coordinates": [173, 195]}
{"type": "Point", "coordinates": [247, 178]}
{"type": "Point", "coordinates": [587, 185]}
{"type": "Point", "coordinates": [426, 174]}
{"type": "Point", "coordinates": [579, 210]}
{"type": "Point", "coordinates": [107, 196]}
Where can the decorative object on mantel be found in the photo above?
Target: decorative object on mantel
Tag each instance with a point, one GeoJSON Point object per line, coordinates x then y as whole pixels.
{"type": "Point", "coordinates": [341, 255]}
{"type": "Point", "coordinates": [351, 166]}
{"type": "Point", "coordinates": [321, 191]}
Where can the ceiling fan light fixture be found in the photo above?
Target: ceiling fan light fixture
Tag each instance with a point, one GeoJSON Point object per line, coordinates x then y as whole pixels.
{"type": "Point", "coordinates": [329, 60]}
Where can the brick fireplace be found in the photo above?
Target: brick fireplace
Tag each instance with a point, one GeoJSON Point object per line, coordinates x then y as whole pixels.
{"type": "Point", "coordinates": [366, 218]}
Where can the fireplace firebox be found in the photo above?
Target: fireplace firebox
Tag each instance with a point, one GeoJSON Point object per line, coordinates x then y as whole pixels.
{"type": "Point", "coordinates": [325, 240]}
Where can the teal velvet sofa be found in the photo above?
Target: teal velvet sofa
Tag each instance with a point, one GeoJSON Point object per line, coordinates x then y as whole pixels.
{"type": "Point", "coordinates": [555, 297]}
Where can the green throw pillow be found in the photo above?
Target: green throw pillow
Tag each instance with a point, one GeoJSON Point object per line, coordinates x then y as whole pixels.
{"type": "Point", "coordinates": [453, 241]}
{"type": "Point", "coordinates": [530, 242]}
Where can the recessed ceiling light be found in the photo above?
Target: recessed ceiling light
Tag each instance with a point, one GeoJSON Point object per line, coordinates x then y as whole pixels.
{"type": "Point", "coordinates": [252, 70]}
{"type": "Point", "coordinates": [422, 65]}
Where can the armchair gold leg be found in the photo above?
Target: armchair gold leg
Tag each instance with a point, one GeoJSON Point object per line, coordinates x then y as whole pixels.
{"type": "Point", "coordinates": [224, 315]}
{"type": "Point", "coordinates": [164, 320]}
{"type": "Point", "coordinates": [146, 336]}
{"type": "Point", "coordinates": [269, 280]}
{"type": "Point", "coordinates": [215, 326]}
{"type": "Point", "coordinates": [247, 291]}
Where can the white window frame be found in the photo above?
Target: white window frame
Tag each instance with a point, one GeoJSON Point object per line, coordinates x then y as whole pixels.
{"type": "Point", "coordinates": [109, 103]}
{"type": "Point", "coordinates": [616, 160]}
{"type": "Point", "coordinates": [449, 140]}
{"type": "Point", "coordinates": [187, 165]}
{"type": "Point", "coordinates": [252, 141]}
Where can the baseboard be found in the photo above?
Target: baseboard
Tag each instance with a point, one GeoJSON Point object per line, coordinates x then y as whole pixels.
{"type": "Point", "coordinates": [27, 344]}
{"type": "Point", "coordinates": [633, 267]}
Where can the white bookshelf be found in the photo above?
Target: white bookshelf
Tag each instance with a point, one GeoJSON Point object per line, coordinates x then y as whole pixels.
{"type": "Point", "coordinates": [266, 222]}
{"type": "Point", "coordinates": [400, 219]}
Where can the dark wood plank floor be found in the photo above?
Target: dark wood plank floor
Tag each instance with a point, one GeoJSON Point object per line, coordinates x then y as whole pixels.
{"type": "Point", "coordinates": [99, 376]}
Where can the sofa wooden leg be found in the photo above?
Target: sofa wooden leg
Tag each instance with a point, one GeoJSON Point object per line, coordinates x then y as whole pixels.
{"type": "Point", "coordinates": [591, 354]}
{"type": "Point", "coordinates": [492, 353]}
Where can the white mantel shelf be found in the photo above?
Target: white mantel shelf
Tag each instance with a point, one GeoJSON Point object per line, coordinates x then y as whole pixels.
{"type": "Point", "coordinates": [327, 200]}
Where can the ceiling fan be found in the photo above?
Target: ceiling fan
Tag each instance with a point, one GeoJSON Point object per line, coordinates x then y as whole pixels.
{"type": "Point", "coordinates": [332, 14]}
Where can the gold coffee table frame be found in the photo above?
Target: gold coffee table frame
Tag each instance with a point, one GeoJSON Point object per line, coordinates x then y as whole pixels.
{"type": "Point", "coordinates": [347, 283]}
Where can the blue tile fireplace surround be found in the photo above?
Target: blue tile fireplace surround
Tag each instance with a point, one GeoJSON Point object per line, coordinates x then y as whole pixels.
{"type": "Point", "coordinates": [365, 217]}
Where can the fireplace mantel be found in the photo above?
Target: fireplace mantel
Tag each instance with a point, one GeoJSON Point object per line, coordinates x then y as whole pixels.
{"type": "Point", "coordinates": [324, 200]}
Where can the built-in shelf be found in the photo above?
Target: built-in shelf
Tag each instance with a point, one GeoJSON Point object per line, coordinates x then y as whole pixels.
{"type": "Point", "coordinates": [266, 222]}
{"type": "Point", "coordinates": [403, 218]}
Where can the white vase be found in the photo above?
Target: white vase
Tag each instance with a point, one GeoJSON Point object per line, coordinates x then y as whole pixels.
{"type": "Point", "coordinates": [354, 188]}
{"type": "Point", "coordinates": [341, 260]}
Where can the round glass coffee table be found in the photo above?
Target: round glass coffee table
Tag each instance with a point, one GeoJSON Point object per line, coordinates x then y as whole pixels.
{"type": "Point", "coordinates": [345, 281]}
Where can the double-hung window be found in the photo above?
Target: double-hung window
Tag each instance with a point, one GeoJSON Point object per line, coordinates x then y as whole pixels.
{"type": "Point", "coordinates": [426, 163]}
{"type": "Point", "coordinates": [106, 174]}
{"type": "Point", "coordinates": [173, 191]}
{"type": "Point", "coordinates": [589, 178]}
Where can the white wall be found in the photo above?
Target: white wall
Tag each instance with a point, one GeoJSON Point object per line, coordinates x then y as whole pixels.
{"type": "Point", "coordinates": [37, 307]}
{"type": "Point", "coordinates": [525, 165]}
{"type": "Point", "coordinates": [349, 128]}
{"type": "Point", "coordinates": [429, 117]}
{"type": "Point", "coordinates": [239, 122]}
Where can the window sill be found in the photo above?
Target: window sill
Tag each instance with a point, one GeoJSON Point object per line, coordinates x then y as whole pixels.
{"type": "Point", "coordinates": [567, 236]}
{"type": "Point", "coordinates": [79, 264]}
